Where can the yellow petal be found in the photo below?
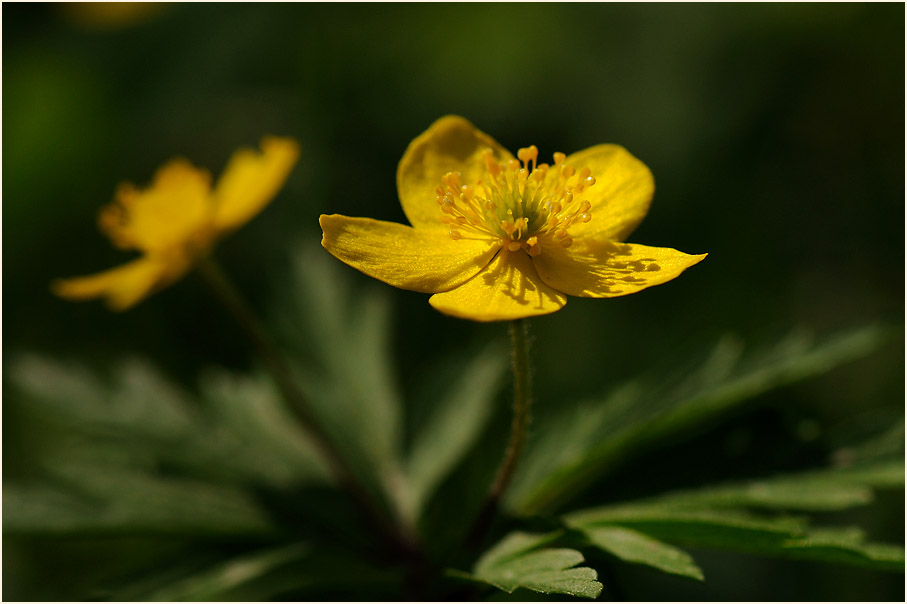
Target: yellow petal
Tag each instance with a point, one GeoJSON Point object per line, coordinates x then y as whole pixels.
{"type": "Point", "coordinates": [508, 289]}
{"type": "Point", "coordinates": [451, 144]}
{"type": "Point", "coordinates": [173, 211]}
{"type": "Point", "coordinates": [606, 269]}
{"type": "Point", "coordinates": [408, 258]}
{"type": "Point", "coordinates": [251, 179]}
{"type": "Point", "coordinates": [621, 195]}
{"type": "Point", "coordinates": [123, 286]}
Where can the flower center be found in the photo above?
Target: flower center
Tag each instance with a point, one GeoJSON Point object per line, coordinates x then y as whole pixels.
{"type": "Point", "coordinates": [521, 203]}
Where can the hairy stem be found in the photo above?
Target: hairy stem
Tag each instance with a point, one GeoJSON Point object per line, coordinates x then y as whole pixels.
{"type": "Point", "coordinates": [519, 430]}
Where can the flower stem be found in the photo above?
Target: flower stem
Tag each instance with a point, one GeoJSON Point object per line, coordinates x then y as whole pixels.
{"type": "Point", "coordinates": [225, 291]}
{"type": "Point", "coordinates": [519, 430]}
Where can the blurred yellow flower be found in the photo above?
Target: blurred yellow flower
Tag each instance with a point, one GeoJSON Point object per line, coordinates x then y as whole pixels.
{"type": "Point", "coordinates": [495, 237]}
{"type": "Point", "coordinates": [177, 220]}
{"type": "Point", "coordinates": [110, 15]}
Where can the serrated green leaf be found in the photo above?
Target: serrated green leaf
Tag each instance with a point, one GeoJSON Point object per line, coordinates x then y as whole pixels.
{"type": "Point", "coordinates": [341, 343]}
{"type": "Point", "coordinates": [719, 528]}
{"type": "Point", "coordinates": [240, 432]}
{"type": "Point", "coordinates": [847, 547]}
{"type": "Point", "coordinates": [140, 399]}
{"type": "Point", "coordinates": [832, 489]}
{"type": "Point", "coordinates": [226, 580]}
{"type": "Point", "coordinates": [452, 428]}
{"type": "Point", "coordinates": [632, 546]}
{"type": "Point", "coordinates": [289, 572]}
{"type": "Point", "coordinates": [517, 562]}
{"type": "Point", "coordinates": [822, 490]}
{"type": "Point", "coordinates": [92, 500]}
{"type": "Point", "coordinates": [515, 544]}
{"type": "Point", "coordinates": [255, 433]}
{"type": "Point", "coordinates": [572, 450]}
{"type": "Point", "coordinates": [716, 517]}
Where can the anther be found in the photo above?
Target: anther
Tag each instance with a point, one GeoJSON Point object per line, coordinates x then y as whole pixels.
{"type": "Point", "coordinates": [451, 179]}
{"type": "Point", "coordinates": [455, 234]}
{"type": "Point", "coordinates": [513, 246]}
{"type": "Point", "coordinates": [559, 158]}
{"type": "Point", "coordinates": [490, 164]}
{"type": "Point", "coordinates": [528, 154]}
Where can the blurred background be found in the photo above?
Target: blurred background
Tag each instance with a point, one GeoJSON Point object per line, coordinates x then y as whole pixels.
{"type": "Point", "coordinates": [775, 133]}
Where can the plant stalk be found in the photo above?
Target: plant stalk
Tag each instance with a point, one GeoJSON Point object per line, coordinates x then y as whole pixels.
{"type": "Point", "coordinates": [519, 430]}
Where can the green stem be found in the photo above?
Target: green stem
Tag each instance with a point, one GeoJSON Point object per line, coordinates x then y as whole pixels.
{"type": "Point", "coordinates": [236, 305]}
{"type": "Point", "coordinates": [519, 430]}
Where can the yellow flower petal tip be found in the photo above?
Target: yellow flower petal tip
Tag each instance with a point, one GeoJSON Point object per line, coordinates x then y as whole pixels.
{"type": "Point", "coordinates": [178, 218]}
{"type": "Point", "coordinates": [499, 237]}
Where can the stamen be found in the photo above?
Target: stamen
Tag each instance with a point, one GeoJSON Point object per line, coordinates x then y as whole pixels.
{"type": "Point", "coordinates": [519, 202]}
{"type": "Point", "coordinates": [527, 154]}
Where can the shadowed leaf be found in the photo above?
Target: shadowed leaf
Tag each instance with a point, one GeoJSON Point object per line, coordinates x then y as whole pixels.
{"type": "Point", "coordinates": [574, 449]}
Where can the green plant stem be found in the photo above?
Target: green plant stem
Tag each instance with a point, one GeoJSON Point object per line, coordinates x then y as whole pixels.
{"type": "Point", "coordinates": [519, 430]}
{"type": "Point", "coordinates": [225, 291]}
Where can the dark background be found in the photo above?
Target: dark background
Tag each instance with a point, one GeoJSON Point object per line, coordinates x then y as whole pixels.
{"type": "Point", "coordinates": [775, 133]}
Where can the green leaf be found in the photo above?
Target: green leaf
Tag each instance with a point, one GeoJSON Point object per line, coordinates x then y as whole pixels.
{"type": "Point", "coordinates": [255, 433]}
{"type": "Point", "coordinates": [717, 528]}
{"type": "Point", "coordinates": [231, 578]}
{"type": "Point", "coordinates": [452, 427]}
{"type": "Point", "coordinates": [632, 546]}
{"type": "Point", "coordinates": [823, 490]}
{"type": "Point", "coordinates": [97, 500]}
{"type": "Point", "coordinates": [517, 562]}
{"type": "Point", "coordinates": [294, 572]}
{"type": "Point", "coordinates": [847, 547]}
{"type": "Point", "coordinates": [718, 517]}
{"type": "Point", "coordinates": [572, 450]}
{"type": "Point", "coordinates": [833, 489]}
{"type": "Point", "coordinates": [341, 343]}
{"type": "Point", "coordinates": [240, 432]}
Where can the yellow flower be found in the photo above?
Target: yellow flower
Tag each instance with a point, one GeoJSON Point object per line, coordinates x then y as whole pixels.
{"type": "Point", "coordinates": [178, 219]}
{"type": "Point", "coordinates": [495, 238]}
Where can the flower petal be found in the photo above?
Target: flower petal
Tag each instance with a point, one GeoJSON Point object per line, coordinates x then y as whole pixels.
{"type": "Point", "coordinates": [621, 195]}
{"type": "Point", "coordinates": [508, 289]}
{"type": "Point", "coordinates": [408, 258]}
{"type": "Point", "coordinates": [123, 286]}
{"type": "Point", "coordinates": [251, 180]}
{"type": "Point", "coordinates": [607, 269]}
{"type": "Point", "coordinates": [451, 144]}
{"type": "Point", "coordinates": [169, 213]}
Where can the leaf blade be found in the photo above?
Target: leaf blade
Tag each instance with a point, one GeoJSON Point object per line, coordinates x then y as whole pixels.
{"type": "Point", "coordinates": [635, 547]}
{"type": "Point", "coordinates": [519, 561]}
{"type": "Point", "coordinates": [572, 452]}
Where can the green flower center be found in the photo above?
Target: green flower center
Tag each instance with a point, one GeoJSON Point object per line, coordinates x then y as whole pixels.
{"type": "Point", "coordinates": [523, 204]}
